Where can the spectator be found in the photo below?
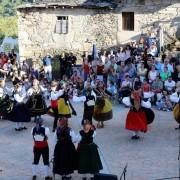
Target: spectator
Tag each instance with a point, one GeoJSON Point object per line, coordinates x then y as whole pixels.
{"type": "Point", "coordinates": [157, 87]}
{"type": "Point", "coordinates": [47, 67]}
{"type": "Point", "coordinates": [142, 72]}
{"type": "Point", "coordinates": [153, 73]}
{"type": "Point", "coordinates": [165, 74]}
{"type": "Point", "coordinates": [169, 84]}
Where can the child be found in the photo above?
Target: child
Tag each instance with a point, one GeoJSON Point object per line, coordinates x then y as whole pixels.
{"type": "Point", "coordinates": [65, 155]}
{"type": "Point", "coordinates": [89, 105]}
{"type": "Point", "coordinates": [40, 136]}
{"type": "Point", "coordinates": [165, 103]}
{"type": "Point", "coordinates": [89, 161]}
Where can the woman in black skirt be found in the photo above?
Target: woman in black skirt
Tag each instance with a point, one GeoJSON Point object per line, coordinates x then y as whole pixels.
{"type": "Point", "coordinates": [36, 102]}
{"type": "Point", "coordinates": [65, 155]}
{"type": "Point", "coordinates": [89, 161]}
{"type": "Point", "coordinates": [20, 113]}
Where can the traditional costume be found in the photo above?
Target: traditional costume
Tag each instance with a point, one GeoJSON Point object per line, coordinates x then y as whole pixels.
{"type": "Point", "coordinates": [89, 106]}
{"type": "Point", "coordinates": [103, 107]}
{"type": "Point", "coordinates": [89, 161]}
{"type": "Point", "coordinates": [54, 95]}
{"type": "Point", "coordinates": [138, 117]}
{"type": "Point", "coordinates": [6, 104]}
{"type": "Point", "coordinates": [65, 108]}
{"type": "Point", "coordinates": [41, 148]}
{"type": "Point", "coordinates": [65, 155]}
{"type": "Point", "coordinates": [36, 102]}
{"type": "Point", "coordinates": [176, 113]}
{"type": "Point", "coordinates": [20, 111]}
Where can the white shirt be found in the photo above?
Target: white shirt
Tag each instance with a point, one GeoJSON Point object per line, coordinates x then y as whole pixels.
{"type": "Point", "coordinates": [169, 66]}
{"type": "Point", "coordinates": [79, 137]}
{"type": "Point", "coordinates": [56, 94]}
{"type": "Point", "coordinates": [169, 85]}
{"type": "Point", "coordinates": [72, 134]}
{"type": "Point", "coordinates": [40, 137]}
{"type": "Point", "coordinates": [153, 75]}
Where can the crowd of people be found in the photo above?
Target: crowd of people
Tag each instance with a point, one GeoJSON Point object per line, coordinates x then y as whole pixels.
{"type": "Point", "coordinates": [134, 76]}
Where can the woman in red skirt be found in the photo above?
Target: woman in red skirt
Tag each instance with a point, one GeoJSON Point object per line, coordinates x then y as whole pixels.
{"type": "Point", "coordinates": [136, 120]}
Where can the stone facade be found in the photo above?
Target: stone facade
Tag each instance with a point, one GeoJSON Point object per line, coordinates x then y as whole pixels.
{"type": "Point", "coordinates": [86, 26]}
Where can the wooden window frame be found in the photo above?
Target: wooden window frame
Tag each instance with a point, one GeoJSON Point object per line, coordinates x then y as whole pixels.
{"type": "Point", "coordinates": [128, 21]}
{"type": "Point", "coordinates": [60, 25]}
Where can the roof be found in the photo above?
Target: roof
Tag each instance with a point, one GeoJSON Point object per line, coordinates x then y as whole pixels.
{"type": "Point", "coordinates": [89, 4]}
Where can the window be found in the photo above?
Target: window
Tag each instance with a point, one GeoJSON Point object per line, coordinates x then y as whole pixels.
{"type": "Point", "coordinates": [128, 21]}
{"type": "Point", "coordinates": [62, 25]}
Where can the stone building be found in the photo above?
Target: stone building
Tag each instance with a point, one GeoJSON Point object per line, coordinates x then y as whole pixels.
{"type": "Point", "coordinates": [74, 25]}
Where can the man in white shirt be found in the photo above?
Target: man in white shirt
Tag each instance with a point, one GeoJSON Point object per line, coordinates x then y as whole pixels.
{"type": "Point", "coordinates": [169, 84]}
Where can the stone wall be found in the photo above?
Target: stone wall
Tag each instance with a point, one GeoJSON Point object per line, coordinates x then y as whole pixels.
{"type": "Point", "coordinates": [104, 28]}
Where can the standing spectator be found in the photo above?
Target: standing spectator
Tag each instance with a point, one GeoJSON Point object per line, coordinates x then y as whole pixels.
{"type": "Point", "coordinates": [24, 68]}
{"type": "Point", "coordinates": [121, 55]}
{"type": "Point", "coordinates": [75, 77]}
{"type": "Point", "coordinates": [153, 51]}
{"type": "Point", "coordinates": [63, 63]}
{"type": "Point", "coordinates": [71, 60]}
{"type": "Point", "coordinates": [86, 68]}
{"type": "Point", "coordinates": [100, 70]}
{"type": "Point", "coordinates": [47, 67]}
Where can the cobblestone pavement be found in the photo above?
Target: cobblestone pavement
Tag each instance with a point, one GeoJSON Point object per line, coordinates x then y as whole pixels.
{"type": "Point", "coordinates": [154, 156]}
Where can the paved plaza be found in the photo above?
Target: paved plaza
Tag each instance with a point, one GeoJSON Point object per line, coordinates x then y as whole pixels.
{"type": "Point", "coordinates": [152, 157]}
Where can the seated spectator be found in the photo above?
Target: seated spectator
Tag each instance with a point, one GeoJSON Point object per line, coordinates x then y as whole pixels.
{"type": "Point", "coordinates": [130, 69]}
{"type": "Point", "coordinates": [175, 97]}
{"type": "Point", "coordinates": [112, 88]}
{"type": "Point", "coordinates": [169, 66]}
{"type": "Point", "coordinates": [126, 87]}
{"type": "Point", "coordinates": [112, 76]}
{"type": "Point", "coordinates": [142, 72]}
{"type": "Point", "coordinates": [165, 74]}
{"type": "Point", "coordinates": [86, 68]}
{"type": "Point", "coordinates": [137, 83]}
{"type": "Point", "coordinates": [169, 84]}
{"type": "Point", "coordinates": [157, 65]}
{"type": "Point", "coordinates": [176, 73]}
{"type": "Point", "coordinates": [152, 74]}
{"type": "Point", "coordinates": [153, 50]}
{"type": "Point", "coordinates": [146, 89]}
{"type": "Point", "coordinates": [157, 87]}
{"type": "Point", "coordinates": [121, 55]}
{"type": "Point", "coordinates": [100, 70]}
{"type": "Point", "coordinates": [164, 103]}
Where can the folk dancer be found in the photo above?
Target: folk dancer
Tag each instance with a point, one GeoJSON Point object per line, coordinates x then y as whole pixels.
{"type": "Point", "coordinates": [138, 117]}
{"type": "Point", "coordinates": [20, 111]}
{"type": "Point", "coordinates": [89, 161]}
{"type": "Point", "coordinates": [36, 102]}
{"type": "Point", "coordinates": [41, 148]}
{"type": "Point", "coordinates": [65, 155]}
{"type": "Point", "coordinates": [103, 107]}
